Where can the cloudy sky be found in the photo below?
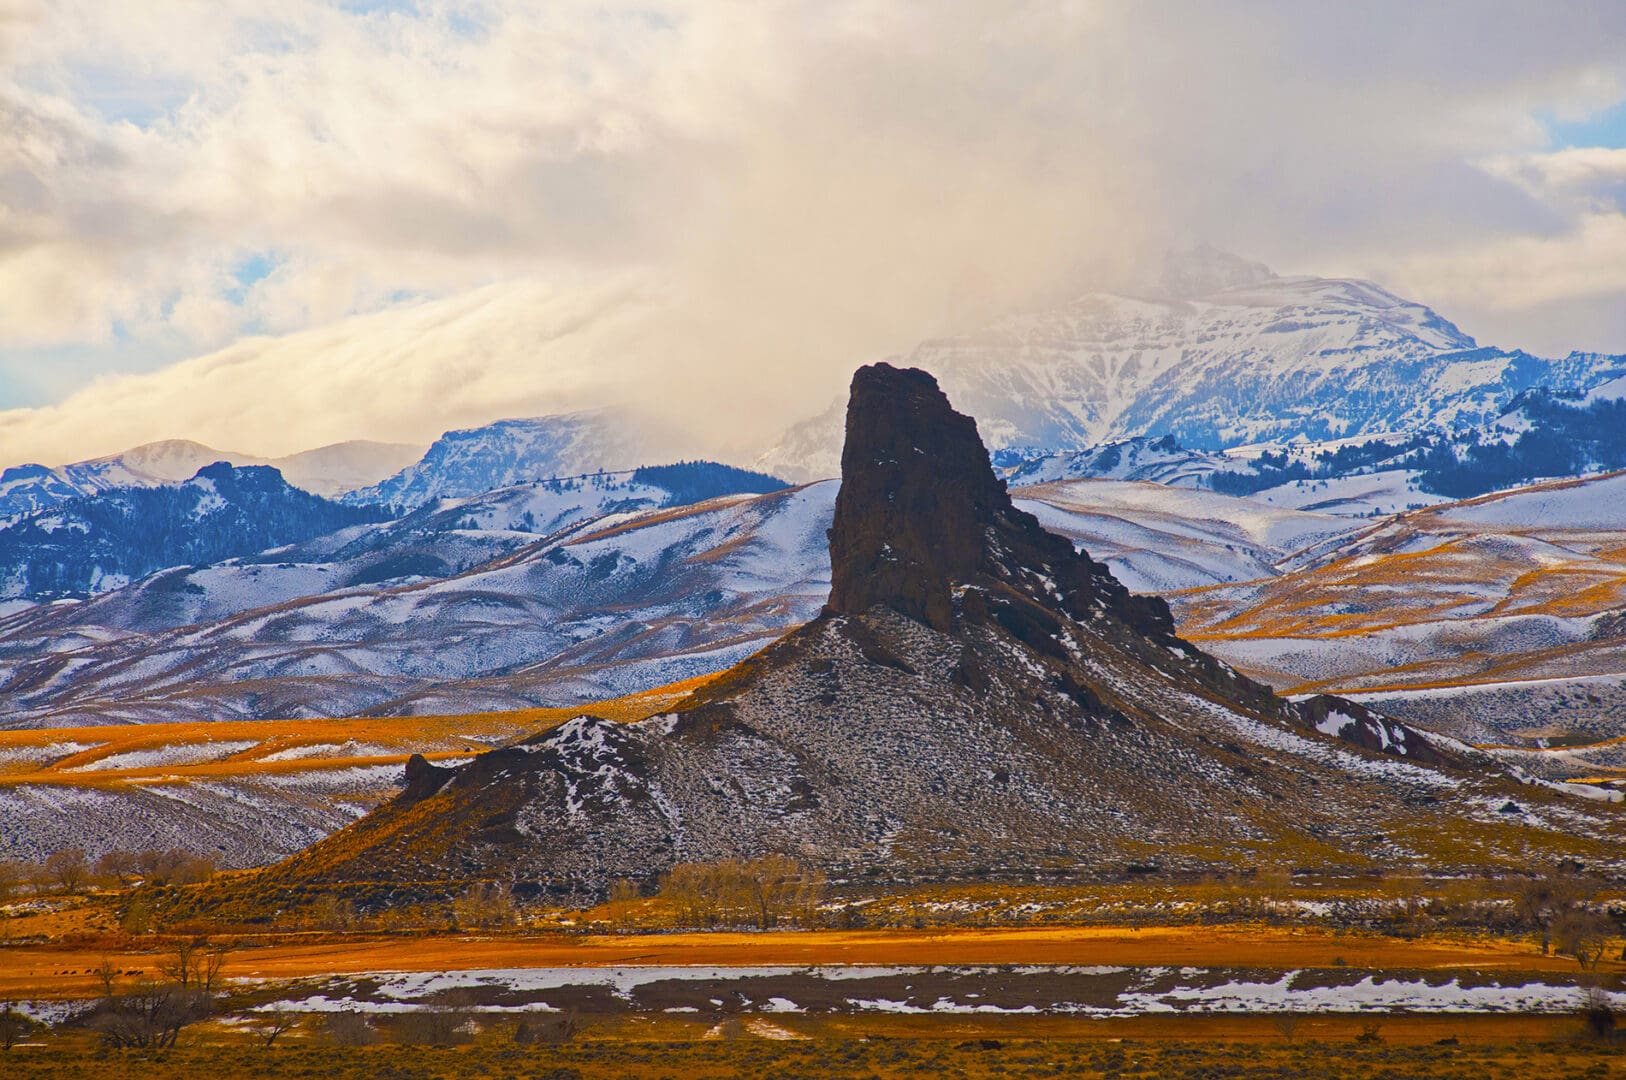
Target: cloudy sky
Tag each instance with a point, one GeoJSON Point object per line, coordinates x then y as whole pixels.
{"type": "Point", "coordinates": [271, 224]}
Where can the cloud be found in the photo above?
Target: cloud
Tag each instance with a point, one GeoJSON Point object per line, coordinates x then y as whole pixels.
{"type": "Point", "coordinates": [465, 210]}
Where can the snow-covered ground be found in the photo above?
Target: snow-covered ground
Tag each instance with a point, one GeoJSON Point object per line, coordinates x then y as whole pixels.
{"type": "Point", "coordinates": [954, 990]}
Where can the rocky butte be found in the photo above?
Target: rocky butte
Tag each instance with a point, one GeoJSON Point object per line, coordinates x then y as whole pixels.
{"type": "Point", "coordinates": [977, 702]}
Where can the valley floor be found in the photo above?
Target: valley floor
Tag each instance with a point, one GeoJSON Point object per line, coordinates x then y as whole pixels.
{"type": "Point", "coordinates": [67, 970]}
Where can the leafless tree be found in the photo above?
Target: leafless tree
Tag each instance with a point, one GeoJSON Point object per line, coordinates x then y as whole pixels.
{"type": "Point", "coordinates": [14, 1026]}
{"type": "Point", "coordinates": [1598, 1014]}
{"type": "Point", "coordinates": [174, 867]}
{"type": "Point", "coordinates": [1288, 1024]}
{"type": "Point", "coordinates": [67, 869]}
{"type": "Point", "coordinates": [549, 1028]}
{"type": "Point", "coordinates": [1542, 901]}
{"type": "Point", "coordinates": [121, 866]}
{"type": "Point", "coordinates": [107, 973]}
{"type": "Point", "coordinates": [333, 913]}
{"type": "Point", "coordinates": [623, 901]}
{"type": "Point", "coordinates": [12, 877]}
{"type": "Point", "coordinates": [275, 1023]}
{"type": "Point", "coordinates": [441, 1025]}
{"type": "Point", "coordinates": [195, 965]}
{"type": "Point", "coordinates": [762, 891]}
{"type": "Point", "coordinates": [150, 1016]}
{"type": "Point", "coordinates": [487, 904]}
{"type": "Point", "coordinates": [1584, 934]}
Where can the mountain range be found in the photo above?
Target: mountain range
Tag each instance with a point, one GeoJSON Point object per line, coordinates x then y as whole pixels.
{"type": "Point", "coordinates": [977, 700]}
{"type": "Point", "coordinates": [93, 544]}
{"type": "Point", "coordinates": [327, 470]}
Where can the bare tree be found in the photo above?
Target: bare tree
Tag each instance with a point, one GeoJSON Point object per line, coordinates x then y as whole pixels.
{"type": "Point", "coordinates": [1288, 1024]}
{"type": "Point", "coordinates": [273, 1024]}
{"type": "Point", "coordinates": [12, 877]}
{"type": "Point", "coordinates": [108, 975]}
{"type": "Point", "coordinates": [14, 1026]}
{"type": "Point", "coordinates": [1542, 901]}
{"type": "Point", "coordinates": [623, 901]}
{"type": "Point", "coordinates": [1584, 934]}
{"type": "Point", "coordinates": [121, 866]}
{"type": "Point", "coordinates": [555, 1028]}
{"type": "Point", "coordinates": [67, 869]}
{"type": "Point", "coordinates": [1598, 1014]}
{"type": "Point", "coordinates": [446, 1024]}
{"type": "Point", "coordinates": [488, 905]}
{"type": "Point", "coordinates": [137, 917]}
{"type": "Point", "coordinates": [195, 965]}
{"type": "Point", "coordinates": [174, 867]}
{"type": "Point", "coordinates": [333, 913]}
{"type": "Point", "coordinates": [150, 1016]}
{"type": "Point", "coordinates": [762, 891]}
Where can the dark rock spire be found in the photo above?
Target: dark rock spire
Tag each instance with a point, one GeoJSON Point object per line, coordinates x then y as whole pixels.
{"type": "Point", "coordinates": [917, 494]}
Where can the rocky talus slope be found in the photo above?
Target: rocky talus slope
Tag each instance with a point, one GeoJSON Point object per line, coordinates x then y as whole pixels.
{"type": "Point", "coordinates": [977, 701]}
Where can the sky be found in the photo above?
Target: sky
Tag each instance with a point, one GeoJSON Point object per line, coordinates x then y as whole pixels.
{"type": "Point", "coordinates": [273, 225]}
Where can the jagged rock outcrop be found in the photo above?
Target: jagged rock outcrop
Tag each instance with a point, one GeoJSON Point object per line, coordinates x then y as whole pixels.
{"type": "Point", "coordinates": [978, 701]}
{"type": "Point", "coordinates": [921, 514]}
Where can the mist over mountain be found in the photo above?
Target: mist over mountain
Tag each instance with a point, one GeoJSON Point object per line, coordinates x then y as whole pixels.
{"type": "Point", "coordinates": [1225, 354]}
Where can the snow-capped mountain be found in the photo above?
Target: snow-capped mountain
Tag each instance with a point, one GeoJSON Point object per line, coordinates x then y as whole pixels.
{"type": "Point", "coordinates": [473, 460]}
{"type": "Point", "coordinates": [1218, 360]}
{"type": "Point", "coordinates": [327, 470]}
{"type": "Point", "coordinates": [101, 542]}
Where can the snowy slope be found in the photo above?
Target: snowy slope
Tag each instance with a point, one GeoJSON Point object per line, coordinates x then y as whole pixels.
{"type": "Point", "coordinates": [1266, 360]}
{"type": "Point", "coordinates": [1516, 585]}
{"type": "Point", "coordinates": [474, 460]}
{"type": "Point", "coordinates": [1159, 539]}
{"type": "Point", "coordinates": [537, 594]}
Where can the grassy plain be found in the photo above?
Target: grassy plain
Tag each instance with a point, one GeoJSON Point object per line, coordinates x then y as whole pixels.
{"type": "Point", "coordinates": [1199, 1049]}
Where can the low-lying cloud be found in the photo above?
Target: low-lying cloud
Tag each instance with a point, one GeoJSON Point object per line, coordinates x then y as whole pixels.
{"type": "Point", "coordinates": [384, 220]}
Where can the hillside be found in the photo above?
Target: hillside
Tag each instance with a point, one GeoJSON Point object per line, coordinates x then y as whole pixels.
{"type": "Point", "coordinates": [102, 542]}
{"type": "Point", "coordinates": [471, 461]}
{"type": "Point", "coordinates": [539, 594]}
{"type": "Point", "coordinates": [976, 700]}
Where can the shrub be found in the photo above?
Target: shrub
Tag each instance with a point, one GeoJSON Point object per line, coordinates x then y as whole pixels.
{"type": "Point", "coordinates": [348, 1029]}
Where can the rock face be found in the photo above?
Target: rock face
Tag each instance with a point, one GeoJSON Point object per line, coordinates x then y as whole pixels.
{"type": "Point", "coordinates": [977, 702]}
{"type": "Point", "coordinates": [917, 500]}
{"type": "Point", "coordinates": [921, 515]}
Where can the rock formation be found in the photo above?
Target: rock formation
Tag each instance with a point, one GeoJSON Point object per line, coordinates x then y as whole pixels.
{"type": "Point", "coordinates": [978, 701]}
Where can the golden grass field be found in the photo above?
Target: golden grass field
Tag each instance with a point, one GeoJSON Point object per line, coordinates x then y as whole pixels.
{"type": "Point", "coordinates": [29, 757]}
{"type": "Point", "coordinates": [45, 971]}
{"type": "Point", "coordinates": [862, 1047]}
